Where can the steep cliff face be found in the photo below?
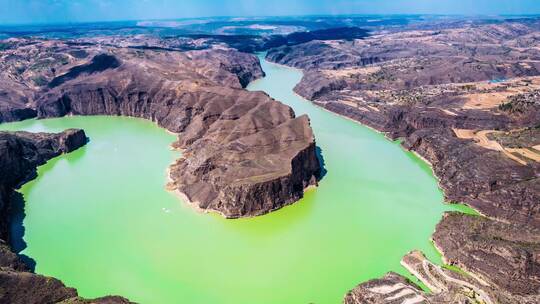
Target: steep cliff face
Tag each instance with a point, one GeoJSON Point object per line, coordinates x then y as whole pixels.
{"type": "Point", "coordinates": [14, 101]}
{"type": "Point", "coordinates": [25, 287]}
{"type": "Point", "coordinates": [21, 153]}
{"type": "Point", "coordinates": [250, 186]}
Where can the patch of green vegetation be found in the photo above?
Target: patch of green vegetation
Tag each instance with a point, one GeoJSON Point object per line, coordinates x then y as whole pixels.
{"type": "Point", "coordinates": [4, 46]}
{"type": "Point", "coordinates": [79, 54]}
{"type": "Point", "coordinates": [381, 75]}
{"type": "Point", "coordinates": [456, 269]}
{"type": "Point", "coordinates": [507, 107]}
{"type": "Point", "coordinates": [463, 208]}
{"type": "Point", "coordinates": [61, 59]}
{"type": "Point", "coordinates": [414, 280]}
{"type": "Point", "coordinates": [520, 103]}
{"type": "Point", "coordinates": [20, 69]}
{"type": "Point", "coordinates": [522, 138]}
{"type": "Point", "coordinates": [468, 87]}
{"type": "Point", "coordinates": [41, 65]}
{"type": "Point", "coordinates": [40, 81]}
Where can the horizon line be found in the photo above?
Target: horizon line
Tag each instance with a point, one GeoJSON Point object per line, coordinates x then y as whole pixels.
{"type": "Point", "coordinates": [528, 15]}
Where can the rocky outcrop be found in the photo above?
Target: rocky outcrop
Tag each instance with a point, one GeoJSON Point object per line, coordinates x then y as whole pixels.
{"type": "Point", "coordinates": [16, 113]}
{"type": "Point", "coordinates": [391, 289]}
{"type": "Point", "coordinates": [251, 186]}
{"type": "Point", "coordinates": [25, 287]}
{"type": "Point", "coordinates": [447, 285]}
{"type": "Point", "coordinates": [313, 86]}
{"type": "Point", "coordinates": [21, 153]}
{"type": "Point", "coordinates": [504, 256]}
{"type": "Point", "coordinates": [14, 101]}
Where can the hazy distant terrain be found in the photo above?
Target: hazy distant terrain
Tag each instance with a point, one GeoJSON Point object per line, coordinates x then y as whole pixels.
{"type": "Point", "coordinates": [241, 25]}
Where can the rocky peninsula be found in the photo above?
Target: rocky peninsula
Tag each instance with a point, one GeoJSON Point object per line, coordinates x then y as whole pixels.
{"type": "Point", "coordinates": [465, 98]}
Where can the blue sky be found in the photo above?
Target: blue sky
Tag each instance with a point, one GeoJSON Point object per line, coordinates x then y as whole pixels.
{"type": "Point", "coordinates": [55, 11]}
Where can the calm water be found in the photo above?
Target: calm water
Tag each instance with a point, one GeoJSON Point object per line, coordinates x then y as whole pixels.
{"type": "Point", "coordinates": [101, 220]}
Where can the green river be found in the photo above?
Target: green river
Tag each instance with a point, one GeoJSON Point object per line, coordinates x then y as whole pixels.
{"type": "Point", "coordinates": [101, 220]}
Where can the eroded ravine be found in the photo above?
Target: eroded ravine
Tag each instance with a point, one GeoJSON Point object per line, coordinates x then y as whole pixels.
{"type": "Point", "coordinates": [115, 230]}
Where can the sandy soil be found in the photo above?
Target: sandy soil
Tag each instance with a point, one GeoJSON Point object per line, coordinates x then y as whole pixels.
{"type": "Point", "coordinates": [528, 153]}
{"type": "Point", "coordinates": [481, 139]}
{"type": "Point", "coordinates": [485, 101]}
{"type": "Point", "coordinates": [351, 71]}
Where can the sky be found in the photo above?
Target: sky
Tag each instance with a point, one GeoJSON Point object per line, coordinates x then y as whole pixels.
{"type": "Point", "coordinates": [62, 11]}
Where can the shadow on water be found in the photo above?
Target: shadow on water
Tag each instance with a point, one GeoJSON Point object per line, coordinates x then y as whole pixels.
{"type": "Point", "coordinates": [74, 156]}
{"type": "Point", "coordinates": [16, 231]}
{"type": "Point", "coordinates": [320, 157]}
{"type": "Point", "coordinates": [17, 210]}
